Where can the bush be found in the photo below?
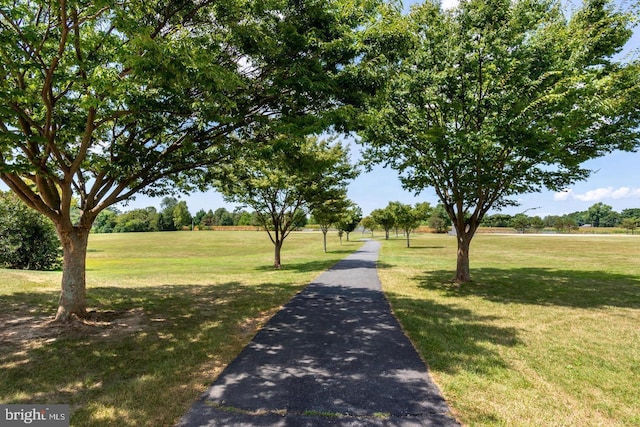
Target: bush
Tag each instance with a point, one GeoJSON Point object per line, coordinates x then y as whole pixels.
{"type": "Point", "coordinates": [28, 239]}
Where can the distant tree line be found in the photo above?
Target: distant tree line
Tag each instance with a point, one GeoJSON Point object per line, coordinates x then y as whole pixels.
{"type": "Point", "coordinates": [406, 218]}
{"type": "Point", "coordinates": [598, 215]}
{"type": "Point", "coordinates": [174, 215]}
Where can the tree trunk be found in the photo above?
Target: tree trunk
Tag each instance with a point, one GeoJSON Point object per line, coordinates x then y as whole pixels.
{"type": "Point", "coordinates": [73, 295]}
{"type": "Point", "coordinates": [324, 234]}
{"type": "Point", "coordinates": [277, 264]}
{"type": "Point", "coordinates": [464, 234]}
{"type": "Point", "coordinates": [463, 274]}
{"type": "Point", "coordinates": [407, 234]}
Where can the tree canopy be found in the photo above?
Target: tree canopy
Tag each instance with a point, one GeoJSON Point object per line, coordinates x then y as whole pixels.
{"type": "Point", "coordinates": [501, 97]}
{"type": "Point", "coordinates": [285, 179]}
{"type": "Point", "coordinates": [330, 212]}
{"type": "Point", "coordinates": [104, 100]}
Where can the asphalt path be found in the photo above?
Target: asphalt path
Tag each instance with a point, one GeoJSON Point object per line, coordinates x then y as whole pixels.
{"type": "Point", "coordinates": [333, 356]}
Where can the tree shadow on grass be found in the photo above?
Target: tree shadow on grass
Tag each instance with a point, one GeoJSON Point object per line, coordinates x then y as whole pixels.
{"type": "Point", "coordinates": [453, 339]}
{"type": "Point", "coordinates": [541, 286]}
{"type": "Point", "coordinates": [321, 265]}
{"type": "Point", "coordinates": [301, 267]}
{"type": "Point", "coordinates": [142, 362]}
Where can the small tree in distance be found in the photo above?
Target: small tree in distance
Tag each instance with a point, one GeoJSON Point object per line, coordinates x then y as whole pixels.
{"type": "Point", "coordinates": [385, 219]}
{"type": "Point", "coordinates": [537, 223]}
{"type": "Point", "coordinates": [181, 216]}
{"type": "Point", "coordinates": [368, 223]}
{"type": "Point", "coordinates": [630, 224]}
{"type": "Point", "coordinates": [350, 220]}
{"type": "Point", "coordinates": [329, 213]}
{"type": "Point", "coordinates": [521, 222]}
{"type": "Point", "coordinates": [282, 180]}
{"type": "Point", "coordinates": [407, 218]}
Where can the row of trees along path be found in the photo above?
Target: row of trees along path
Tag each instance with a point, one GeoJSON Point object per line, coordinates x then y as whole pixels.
{"type": "Point", "coordinates": [482, 102]}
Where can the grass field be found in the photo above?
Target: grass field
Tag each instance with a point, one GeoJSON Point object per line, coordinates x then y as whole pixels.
{"type": "Point", "coordinates": [174, 309]}
{"type": "Point", "coordinates": [548, 334]}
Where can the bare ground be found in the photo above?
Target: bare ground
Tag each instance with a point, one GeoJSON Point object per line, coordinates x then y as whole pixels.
{"type": "Point", "coordinates": [21, 330]}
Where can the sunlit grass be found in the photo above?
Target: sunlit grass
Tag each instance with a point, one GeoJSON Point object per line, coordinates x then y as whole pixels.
{"type": "Point", "coordinates": [547, 334]}
{"type": "Point", "coordinates": [181, 306]}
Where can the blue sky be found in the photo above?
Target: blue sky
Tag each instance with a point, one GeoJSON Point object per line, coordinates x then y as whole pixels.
{"type": "Point", "coordinates": [615, 180]}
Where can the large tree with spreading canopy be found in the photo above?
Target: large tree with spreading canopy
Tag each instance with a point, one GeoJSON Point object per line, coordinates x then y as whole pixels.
{"type": "Point", "coordinates": [102, 100]}
{"type": "Point", "coordinates": [503, 97]}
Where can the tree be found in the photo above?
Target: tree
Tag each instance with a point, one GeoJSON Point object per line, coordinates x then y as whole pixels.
{"type": "Point", "coordinates": [28, 239]}
{"type": "Point", "coordinates": [537, 223]}
{"type": "Point", "coordinates": [385, 219]}
{"type": "Point", "coordinates": [565, 223]}
{"type": "Point", "coordinates": [222, 217]}
{"type": "Point", "coordinates": [439, 220]}
{"type": "Point", "coordinates": [181, 216]}
{"type": "Point", "coordinates": [424, 211]}
{"type": "Point", "coordinates": [197, 219]}
{"type": "Point", "coordinates": [368, 223]}
{"type": "Point", "coordinates": [630, 213]}
{"type": "Point", "coordinates": [350, 220]}
{"type": "Point", "coordinates": [208, 219]}
{"type": "Point", "coordinates": [245, 218]}
{"type": "Point", "coordinates": [330, 212]}
{"type": "Point", "coordinates": [630, 224]}
{"type": "Point", "coordinates": [106, 221]}
{"type": "Point", "coordinates": [597, 213]}
{"type": "Point", "coordinates": [102, 101]}
{"type": "Point", "coordinates": [502, 97]}
{"type": "Point", "coordinates": [137, 220]}
{"type": "Point", "coordinates": [282, 180]}
{"type": "Point", "coordinates": [521, 222]}
{"type": "Point", "coordinates": [407, 218]}
{"type": "Point", "coordinates": [165, 218]}
{"type": "Point", "coordinates": [497, 220]}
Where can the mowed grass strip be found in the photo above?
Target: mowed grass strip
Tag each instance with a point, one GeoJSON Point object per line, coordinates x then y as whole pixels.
{"type": "Point", "coordinates": [548, 334]}
{"type": "Point", "coordinates": [175, 309]}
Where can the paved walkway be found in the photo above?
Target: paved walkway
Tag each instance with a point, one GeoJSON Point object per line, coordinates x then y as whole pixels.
{"type": "Point", "coordinates": [333, 356]}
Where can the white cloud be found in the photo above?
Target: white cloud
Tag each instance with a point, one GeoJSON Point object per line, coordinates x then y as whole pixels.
{"type": "Point", "coordinates": [595, 195]}
{"type": "Point", "coordinates": [449, 4]}
{"type": "Point", "coordinates": [626, 193]}
{"type": "Point", "coordinates": [599, 194]}
{"type": "Point", "coordinates": [563, 195]}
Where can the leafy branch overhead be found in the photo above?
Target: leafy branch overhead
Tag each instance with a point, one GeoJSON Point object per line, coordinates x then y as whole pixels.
{"type": "Point", "coordinates": [105, 100]}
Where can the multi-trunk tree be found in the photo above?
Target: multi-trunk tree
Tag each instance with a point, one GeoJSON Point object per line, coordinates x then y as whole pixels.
{"type": "Point", "coordinates": [105, 99]}
{"type": "Point", "coordinates": [502, 97]}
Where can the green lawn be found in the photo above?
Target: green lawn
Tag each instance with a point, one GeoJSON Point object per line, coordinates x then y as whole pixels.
{"type": "Point", "coordinates": [548, 334]}
{"type": "Point", "coordinates": [174, 310]}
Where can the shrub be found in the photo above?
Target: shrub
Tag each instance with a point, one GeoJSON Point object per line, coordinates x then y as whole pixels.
{"type": "Point", "coordinates": [28, 239]}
